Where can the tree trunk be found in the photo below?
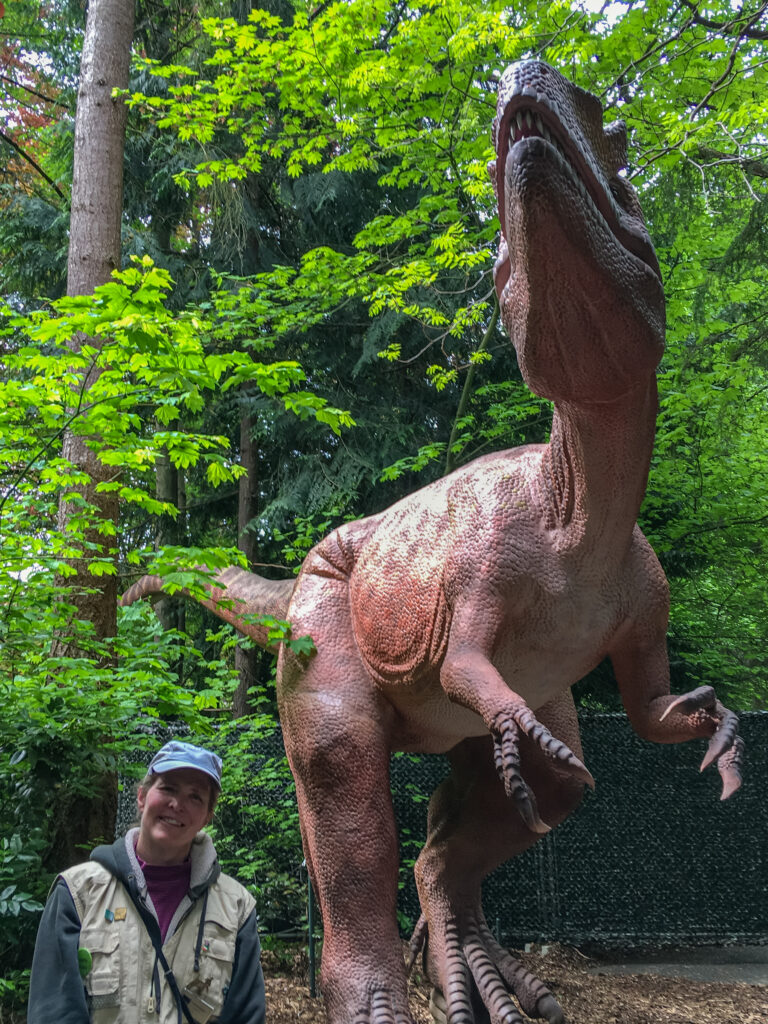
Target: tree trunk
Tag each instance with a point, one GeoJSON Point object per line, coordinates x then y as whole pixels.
{"type": "Point", "coordinates": [94, 252]}
{"type": "Point", "coordinates": [97, 184]}
{"type": "Point", "coordinates": [247, 660]}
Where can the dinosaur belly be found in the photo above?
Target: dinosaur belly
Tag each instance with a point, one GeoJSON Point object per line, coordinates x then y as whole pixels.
{"type": "Point", "coordinates": [559, 640]}
{"type": "Point", "coordinates": [430, 723]}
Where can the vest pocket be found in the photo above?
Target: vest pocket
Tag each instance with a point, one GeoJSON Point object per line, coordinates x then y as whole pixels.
{"type": "Point", "coordinates": [207, 987]}
{"type": "Point", "coordinates": [102, 983]}
{"type": "Point", "coordinates": [220, 950]}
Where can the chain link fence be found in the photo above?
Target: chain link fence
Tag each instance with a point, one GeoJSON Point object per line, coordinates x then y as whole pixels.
{"type": "Point", "coordinates": [652, 857]}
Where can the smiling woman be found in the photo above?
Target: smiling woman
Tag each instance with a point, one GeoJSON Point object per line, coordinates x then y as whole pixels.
{"type": "Point", "coordinates": [149, 927]}
{"type": "Point", "coordinates": [176, 799]}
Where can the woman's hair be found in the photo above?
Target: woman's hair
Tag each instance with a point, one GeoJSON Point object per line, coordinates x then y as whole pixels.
{"type": "Point", "coordinates": [151, 778]}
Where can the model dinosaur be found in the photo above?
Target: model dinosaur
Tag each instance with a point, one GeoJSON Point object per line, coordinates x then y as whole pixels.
{"type": "Point", "coordinates": [457, 620]}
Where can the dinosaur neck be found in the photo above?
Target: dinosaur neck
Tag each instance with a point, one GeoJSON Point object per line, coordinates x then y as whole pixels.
{"type": "Point", "coordinates": [596, 466]}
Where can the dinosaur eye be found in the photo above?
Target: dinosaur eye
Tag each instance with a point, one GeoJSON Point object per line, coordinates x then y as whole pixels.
{"type": "Point", "coordinates": [626, 197]}
{"type": "Point", "coordinates": [618, 191]}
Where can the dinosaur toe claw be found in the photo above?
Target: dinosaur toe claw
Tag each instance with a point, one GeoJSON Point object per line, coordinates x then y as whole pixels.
{"type": "Point", "coordinates": [482, 980]}
{"type": "Point", "coordinates": [438, 1006]}
{"type": "Point", "coordinates": [550, 1010]}
{"type": "Point", "coordinates": [417, 943]}
{"type": "Point", "coordinates": [490, 985]}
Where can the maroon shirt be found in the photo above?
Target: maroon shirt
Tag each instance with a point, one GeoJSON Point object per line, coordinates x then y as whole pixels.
{"type": "Point", "coordinates": [168, 884]}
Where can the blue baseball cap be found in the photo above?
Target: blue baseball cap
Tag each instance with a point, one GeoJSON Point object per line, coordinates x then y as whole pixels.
{"type": "Point", "coordinates": [178, 754]}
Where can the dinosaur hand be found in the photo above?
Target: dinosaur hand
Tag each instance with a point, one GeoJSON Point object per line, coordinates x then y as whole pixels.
{"type": "Point", "coordinates": [476, 967]}
{"type": "Point", "coordinates": [506, 728]}
{"type": "Point", "coordinates": [726, 747]}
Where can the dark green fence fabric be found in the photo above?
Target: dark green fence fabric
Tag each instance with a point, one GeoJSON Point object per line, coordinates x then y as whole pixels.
{"type": "Point", "coordinates": [651, 857]}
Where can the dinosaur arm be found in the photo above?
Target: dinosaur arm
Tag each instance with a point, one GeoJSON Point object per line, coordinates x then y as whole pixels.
{"type": "Point", "coordinates": [469, 678]}
{"type": "Point", "coordinates": [641, 667]}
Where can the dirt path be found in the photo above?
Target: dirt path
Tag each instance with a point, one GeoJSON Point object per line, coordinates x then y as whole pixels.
{"type": "Point", "coordinates": [586, 997]}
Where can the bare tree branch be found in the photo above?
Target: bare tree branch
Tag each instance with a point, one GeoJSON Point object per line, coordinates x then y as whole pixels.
{"type": "Point", "coordinates": [723, 26]}
{"type": "Point", "coordinates": [32, 162]}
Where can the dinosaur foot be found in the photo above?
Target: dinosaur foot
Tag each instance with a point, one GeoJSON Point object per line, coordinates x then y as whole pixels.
{"type": "Point", "coordinates": [506, 729]}
{"type": "Point", "coordinates": [479, 978]}
{"type": "Point", "coordinates": [371, 1003]}
{"type": "Point", "coordinates": [369, 988]}
{"type": "Point", "coordinates": [726, 747]}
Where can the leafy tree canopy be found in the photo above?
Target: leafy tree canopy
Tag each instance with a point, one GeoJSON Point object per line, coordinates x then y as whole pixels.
{"type": "Point", "coordinates": [407, 94]}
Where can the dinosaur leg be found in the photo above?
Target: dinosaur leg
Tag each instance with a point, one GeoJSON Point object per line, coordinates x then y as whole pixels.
{"type": "Point", "coordinates": [335, 726]}
{"type": "Point", "coordinates": [474, 827]}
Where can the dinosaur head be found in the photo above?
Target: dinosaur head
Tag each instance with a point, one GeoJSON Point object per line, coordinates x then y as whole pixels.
{"type": "Point", "coordinates": [577, 276]}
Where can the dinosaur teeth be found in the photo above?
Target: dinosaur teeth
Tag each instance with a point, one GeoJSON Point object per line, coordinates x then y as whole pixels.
{"type": "Point", "coordinates": [525, 124]}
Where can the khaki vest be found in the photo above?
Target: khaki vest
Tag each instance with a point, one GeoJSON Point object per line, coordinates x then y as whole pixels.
{"type": "Point", "coordinates": [120, 983]}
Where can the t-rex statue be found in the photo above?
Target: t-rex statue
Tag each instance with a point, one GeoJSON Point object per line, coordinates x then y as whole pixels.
{"type": "Point", "coordinates": [457, 620]}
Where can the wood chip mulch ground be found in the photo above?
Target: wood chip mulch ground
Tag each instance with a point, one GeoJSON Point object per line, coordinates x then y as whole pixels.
{"type": "Point", "coordinates": [587, 996]}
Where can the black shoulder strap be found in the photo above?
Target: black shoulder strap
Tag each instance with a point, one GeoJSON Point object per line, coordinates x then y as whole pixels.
{"type": "Point", "coordinates": [170, 977]}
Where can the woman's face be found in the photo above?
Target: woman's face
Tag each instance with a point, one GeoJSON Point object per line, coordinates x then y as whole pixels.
{"type": "Point", "coordinates": [173, 810]}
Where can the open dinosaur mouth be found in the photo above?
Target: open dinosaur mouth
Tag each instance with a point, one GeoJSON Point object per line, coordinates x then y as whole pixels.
{"type": "Point", "coordinates": [526, 124]}
{"type": "Point", "coordinates": [529, 122]}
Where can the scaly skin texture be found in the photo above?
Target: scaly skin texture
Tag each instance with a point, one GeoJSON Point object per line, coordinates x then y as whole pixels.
{"type": "Point", "coordinates": [458, 619]}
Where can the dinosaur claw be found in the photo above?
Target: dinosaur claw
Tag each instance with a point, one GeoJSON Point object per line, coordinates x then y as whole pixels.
{"type": "Point", "coordinates": [552, 747]}
{"type": "Point", "coordinates": [526, 806]}
{"type": "Point", "coordinates": [723, 739]}
{"type": "Point", "coordinates": [505, 729]}
{"type": "Point", "coordinates": [731, 783]}
{"type": "Point", "coordinates": [506, 754]}
{"type": "Point", "coordinates": [726, 747]}
{"type": "Point", "coordinates": [537, 825]}
{"type": "Point", "coordinates": [701, 697]}
{"type": "Point", "coordinates": [729, 766]}
{"type": "Point", "coordinates": [580, 771]}
{"type": "Point", "coordinates": [417, 943]}
{"type": "Point", "coordinates": [438, 1006]}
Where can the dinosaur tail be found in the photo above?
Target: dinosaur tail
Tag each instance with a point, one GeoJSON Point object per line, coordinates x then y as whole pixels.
{"type": "Point", "coordinates": [246, 593]}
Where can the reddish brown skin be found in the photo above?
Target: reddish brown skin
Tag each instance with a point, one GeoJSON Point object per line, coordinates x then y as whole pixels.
{"type": "Point", "coordinates": [457, 620]}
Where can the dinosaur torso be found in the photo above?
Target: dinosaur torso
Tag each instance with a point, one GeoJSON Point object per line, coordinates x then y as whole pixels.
{"type": "Point", "coordinates": [520, 524]}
